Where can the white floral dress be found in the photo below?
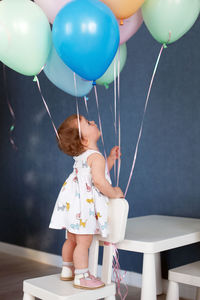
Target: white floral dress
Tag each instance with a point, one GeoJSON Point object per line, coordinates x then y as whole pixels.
{"type": "Point", "coordinates": [80, 207]}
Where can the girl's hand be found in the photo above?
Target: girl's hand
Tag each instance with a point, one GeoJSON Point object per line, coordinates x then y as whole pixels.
{"type": "Point", "coordinates": [119, 193]}
{"type": "Point", "coordinates": [115, 153]}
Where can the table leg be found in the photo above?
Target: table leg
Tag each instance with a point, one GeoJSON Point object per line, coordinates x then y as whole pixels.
{"type": "Point", "coordinates": [173, 291]}
{"type": "Point", "coordinates": [93, 256]}
{"type": "Point", "coordinates": [159, 285]}
{"type": "Point", "coordinates": [107, 267]}
{"type": "Point", "coordinates": [107, 264]}
{"type": "Point", "coordinates": [149, 277]}
{"type": "Point", "coordinates": [198, 294]}
{"type": "Point", "coordinates": [28, 297]}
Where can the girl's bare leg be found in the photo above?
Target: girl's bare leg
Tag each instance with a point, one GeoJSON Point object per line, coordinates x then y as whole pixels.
{"type": "Point", "coordinates": [82, 278]}
{"type": "Point", "coordinates": [68, 247]}
{"type": "Point", "coordinates": [80, 257]}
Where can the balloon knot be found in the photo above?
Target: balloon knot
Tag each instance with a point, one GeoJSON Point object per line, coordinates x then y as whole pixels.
{"type": "Point", "coordinates": [35, 78]}
{"type": "Point", "coordinates": [165, 45]}
{"type": "Point", "coordinates": [94, 82]}
{"type": "Point", "coordinates": [106, 85]}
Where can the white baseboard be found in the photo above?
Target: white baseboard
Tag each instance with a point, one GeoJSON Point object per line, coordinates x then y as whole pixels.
{"type": "Point", "coordinates": [132, 278]}
{"type": "Point", "coordinates": [39, 256]}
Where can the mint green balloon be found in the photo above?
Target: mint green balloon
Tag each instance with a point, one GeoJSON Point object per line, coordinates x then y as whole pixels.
{"type": "Point", "coordinates": [108, 76]}
{"type": "Point", "coordinates": [164, 16]}
{"type": "Point", "coordinates": [25, 36]}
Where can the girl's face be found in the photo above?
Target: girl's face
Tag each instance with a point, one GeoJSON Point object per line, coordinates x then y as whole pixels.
{"type": "Point", "coordinates": [89, 130]}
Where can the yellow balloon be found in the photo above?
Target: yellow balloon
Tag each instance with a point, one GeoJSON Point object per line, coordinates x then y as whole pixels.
{"type": "Point", "coordinates": [123, 9]}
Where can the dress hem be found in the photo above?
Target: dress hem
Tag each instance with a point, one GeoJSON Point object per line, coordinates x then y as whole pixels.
{"type": "Point", "coordinates": [63, 227]}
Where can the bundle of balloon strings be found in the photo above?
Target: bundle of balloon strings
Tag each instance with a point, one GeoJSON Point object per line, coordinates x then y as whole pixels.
{"type": "Point", "coordinates": [117, 272]}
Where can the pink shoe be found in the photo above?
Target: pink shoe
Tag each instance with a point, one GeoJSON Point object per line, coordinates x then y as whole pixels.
{"type": "Point", "coordinates": [67, 273]}
{"type": "Point", "coordinates": [87, 281]}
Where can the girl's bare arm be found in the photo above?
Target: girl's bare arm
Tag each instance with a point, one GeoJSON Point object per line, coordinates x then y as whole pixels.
{"type": "Point", "coordinates": [97, 164]}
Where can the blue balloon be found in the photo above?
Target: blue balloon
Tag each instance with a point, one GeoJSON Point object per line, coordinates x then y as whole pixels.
{"type": "Point", "coordinates": [63, 77]}
{"type": "Point", "coordinates": [86, 37]}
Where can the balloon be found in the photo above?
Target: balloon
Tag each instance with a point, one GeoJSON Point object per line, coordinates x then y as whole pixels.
{"type": "Point", "coordinates": [26, 38]}
{"type": "Point", "coordinates": [130, 26]}
{"type": "Point", "coordinates": [169, 16]}
{"type": "Point", "coordinates": [86, 37]}
{"type": "Point", "coordinates": [123, 9]}
{"type": "Point", "coordinates": [63, 77]}
{"type": "Point", "coordinates": [108, 76]}
{"type": "Point", "coordinates": [51, 7]}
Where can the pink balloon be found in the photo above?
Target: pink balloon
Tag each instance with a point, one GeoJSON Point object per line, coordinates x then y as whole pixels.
{"type": "Point", "coordinates": [130, 26]}
{"type": "Point", "coordinates": [51, 7]}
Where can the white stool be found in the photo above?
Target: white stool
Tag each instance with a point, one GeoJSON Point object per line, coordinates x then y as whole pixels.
{"type": "Point", "coordinates": [188, 274]}
{"type": "Point", "coordinates": [52, 288]}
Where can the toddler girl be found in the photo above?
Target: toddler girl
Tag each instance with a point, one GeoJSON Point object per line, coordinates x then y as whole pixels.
{"type": "Point", "coordinates": [82, 204]}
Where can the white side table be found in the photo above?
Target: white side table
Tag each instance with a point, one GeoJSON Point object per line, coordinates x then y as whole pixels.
{"type": "Point", "coordinates": [188, 274]}
{"type": "Point", "coordinates": [151, 235]}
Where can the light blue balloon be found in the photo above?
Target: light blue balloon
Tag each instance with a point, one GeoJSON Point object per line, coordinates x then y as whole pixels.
{"type": "Point", "coordinates": [86, 37]}
{"type": "Point", "coordinates": [63, 77]}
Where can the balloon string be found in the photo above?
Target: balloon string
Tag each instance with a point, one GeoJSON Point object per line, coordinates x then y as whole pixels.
{"type": "Point", "coordinates": [77, 109]}
{"type": "Point", "coordinates": [100, 124]}
{"type": "Point", "coordinates": [141, 127]}
{"type": "Point", "coordinates": [86, 106]}
{"type": "Point", "coordinates": [116, 271]}
{"type": "Point", "coordinates": [112, 113]}
{"type": "Point", "coordinates": [119, 122]}
{"type": "Point", "coordinates": [115, 97]}
{"type": "Point", "coordinates": [12, 127]}
{"type": "Point", "coordinates": [46, 106]}
{"type": "Point", "coordinates": [115, 114]}
{"type": "Point", "coordinates": [78, 118]}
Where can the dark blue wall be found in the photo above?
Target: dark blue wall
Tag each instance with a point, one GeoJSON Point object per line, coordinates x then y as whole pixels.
{"type": "Point", "coordinates": [167, 171]}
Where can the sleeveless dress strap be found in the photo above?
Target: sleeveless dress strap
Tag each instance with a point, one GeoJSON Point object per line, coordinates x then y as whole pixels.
{"type": "Point", "coordinates": [83, 157]}
{"type": "Point", "coordinates": [87, 153]}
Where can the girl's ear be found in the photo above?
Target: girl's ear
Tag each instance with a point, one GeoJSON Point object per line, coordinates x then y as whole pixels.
{"type": "Point", "coordinates": [85, 142]}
